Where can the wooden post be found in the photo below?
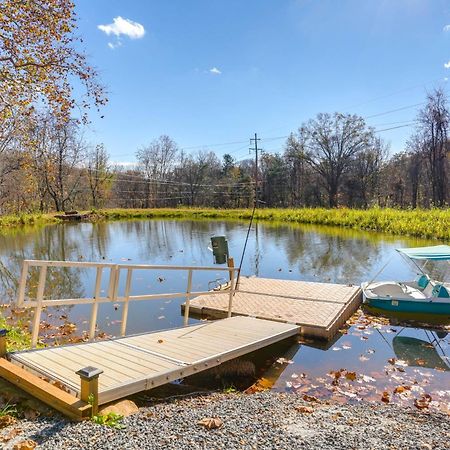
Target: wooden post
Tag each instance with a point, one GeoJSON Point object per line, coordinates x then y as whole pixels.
{"type": "Point", "coordinates": [3, 333]}
{"type": "Point", "coordinates": [89, 386]}
{"type": "Point", "coordinates": [230, 264]}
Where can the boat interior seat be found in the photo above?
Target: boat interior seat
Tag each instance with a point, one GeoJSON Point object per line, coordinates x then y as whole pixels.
{"type": "Point", "coordinates": [440, 291]}
{"type": "Point", "coordinates": [422, 281]}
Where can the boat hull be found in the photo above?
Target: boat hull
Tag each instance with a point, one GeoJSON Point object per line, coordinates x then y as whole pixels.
{"type": "Point", "coordinates": [409, 306]}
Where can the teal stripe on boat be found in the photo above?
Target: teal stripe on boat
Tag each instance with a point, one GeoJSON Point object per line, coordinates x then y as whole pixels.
{"type": "Point", "coordinates": [410, 306]}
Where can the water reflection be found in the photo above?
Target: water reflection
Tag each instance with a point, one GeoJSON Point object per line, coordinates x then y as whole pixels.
{"type": "Point", "coordinates": [301, 252]}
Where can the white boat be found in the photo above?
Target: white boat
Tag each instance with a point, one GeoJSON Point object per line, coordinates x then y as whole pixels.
{"type": "Point", "coordinates": [422, 295]}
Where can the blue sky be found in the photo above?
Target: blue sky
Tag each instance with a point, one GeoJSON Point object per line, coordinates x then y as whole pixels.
{"type": "Point", "coordinates": [216, 71]}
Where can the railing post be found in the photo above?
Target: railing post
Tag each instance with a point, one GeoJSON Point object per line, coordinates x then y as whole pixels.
{"type": "Point", "coordinates": [22, 284]}
{"type": "Point", "coordinates": [3, 333]}
{"type": "Point", "coordinates": [38, 310]}
{"type": "Point", "coordinates": [94, 309]}
{"type": "Point", "coordinates": [116, 282]}
{"type": "Point", "coordinates": [89, 386]}
{"type": "Point", "coordinates": [112, 282]}
{"type": "Point", "coordinates": [123, 327]}
{"type": "Point", "coordinates": [231, 295]}
{"type": "Point", "coordinates": [188, 298]}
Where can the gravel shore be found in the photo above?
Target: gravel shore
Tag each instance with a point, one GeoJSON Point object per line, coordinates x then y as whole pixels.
{"type": "Point", "coordinates": [261, 421]}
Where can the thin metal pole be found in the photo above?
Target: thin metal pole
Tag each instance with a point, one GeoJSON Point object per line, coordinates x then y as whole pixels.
{"type": "Point", "coordinates": [245, 244]}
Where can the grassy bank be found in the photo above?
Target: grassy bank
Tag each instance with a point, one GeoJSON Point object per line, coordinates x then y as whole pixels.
{"type": "Point", "coordinates": [434, 224]}
{"type": "Point", "coordinates": [13, 221]}
{"type": "Point", "coordinates": [18, 337]}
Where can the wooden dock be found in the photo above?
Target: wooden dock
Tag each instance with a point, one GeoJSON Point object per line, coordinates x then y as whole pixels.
{"type": "Point", "coordinates": [76, 378]}
{"type": "Point", "coordinates": [137, 363]}
{"type": "Point", "coordinates": [320, 309]}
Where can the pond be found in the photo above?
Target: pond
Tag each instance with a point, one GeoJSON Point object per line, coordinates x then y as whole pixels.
{"type": "Point", "coordinates": [381, 354]}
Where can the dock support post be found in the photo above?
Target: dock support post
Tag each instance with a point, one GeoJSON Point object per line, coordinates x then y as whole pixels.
{"type": "Point", "coordinates": [3, 333]}
{"type": "Point", "coordinates": [89, 386]}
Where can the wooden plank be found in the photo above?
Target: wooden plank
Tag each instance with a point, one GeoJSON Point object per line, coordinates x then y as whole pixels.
{"type": "Point", "coordinates": [46, 392]}
{"type": "Point", "coordinates": [123, 373]}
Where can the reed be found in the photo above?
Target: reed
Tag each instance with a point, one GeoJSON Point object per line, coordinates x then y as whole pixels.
{"type": "Point", "coordinates": [425, 223]}
{"type": "Point", "coordinates": [430, 223]}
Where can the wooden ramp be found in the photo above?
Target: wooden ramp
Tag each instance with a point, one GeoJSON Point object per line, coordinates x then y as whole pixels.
{"type": "Point", "coordinates": [141, 362]}
{"type": "Point", "coordinates": [320, 309]}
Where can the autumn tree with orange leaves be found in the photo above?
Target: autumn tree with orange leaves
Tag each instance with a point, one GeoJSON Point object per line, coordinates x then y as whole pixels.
{"type": "Point", "coordinates": [40, 56]}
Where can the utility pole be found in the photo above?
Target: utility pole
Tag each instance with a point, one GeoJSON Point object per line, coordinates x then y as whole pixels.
{"type": "Point", "coordinates": [255, 149]}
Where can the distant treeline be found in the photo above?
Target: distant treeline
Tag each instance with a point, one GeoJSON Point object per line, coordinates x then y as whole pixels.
{"type": "Point", "coordinates": [332, 160]}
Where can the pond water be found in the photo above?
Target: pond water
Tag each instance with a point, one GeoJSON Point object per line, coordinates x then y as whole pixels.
{"type": "Point", "coordinates": [383, 354]}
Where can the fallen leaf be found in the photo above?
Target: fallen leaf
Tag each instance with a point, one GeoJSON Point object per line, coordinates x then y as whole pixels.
{"type": "Point", "coordinates": [25, 445]}
{"type": "Point", "coordinates": [385, 397]}
{"type": "Point", "coordinates": [350, 376]}
{"type": "Point", "coordinates": [11, 435]}
{"type": "Point", "coordinates": [210, 423]}
{"type": "Point", "coordinates": [310, 398]}
{"type": "Point", "coordinates": [401, 389]}
{"type": "Point", "coordinates": [423, 402]}
{"type": "Point", "coordinates": [7, 420]}
{"type": "Point", "coordinates": [304, 409]}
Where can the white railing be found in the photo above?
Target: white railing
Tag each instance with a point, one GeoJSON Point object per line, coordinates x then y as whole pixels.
{"type": "Point", "coordinates": [113, 288]}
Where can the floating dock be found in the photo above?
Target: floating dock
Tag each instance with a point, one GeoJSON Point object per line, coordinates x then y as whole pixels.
{"type": "Point", "coordinates": [319, 309]}
{"type": "Point", "coordinates": [136, 363]}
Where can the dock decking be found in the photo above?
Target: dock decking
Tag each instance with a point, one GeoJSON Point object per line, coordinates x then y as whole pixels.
{"type": "Point", "coordinates": [320, 309]}
{"type": "Point", "coordinates": [141, 362]}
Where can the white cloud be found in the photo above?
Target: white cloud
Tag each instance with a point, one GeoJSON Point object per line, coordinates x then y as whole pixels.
{"type": "Point", "coordinates": [215, 71]}
{"type": "Point", "coordinates": [113, 45]}
{"type": "Point", "coordinates": [447, 28]}
{"type": "Point", "coordinates": [126, 27]}
{"type": "Point", "coordinates": [447, 65]}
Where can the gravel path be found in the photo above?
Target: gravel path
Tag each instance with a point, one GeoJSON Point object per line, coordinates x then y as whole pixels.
{"type": "Point", "coordinates": [261, 421]}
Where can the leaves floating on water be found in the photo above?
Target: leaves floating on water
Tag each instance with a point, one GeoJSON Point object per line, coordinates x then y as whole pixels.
{"type": "Point", "coordinates": [284, 361]}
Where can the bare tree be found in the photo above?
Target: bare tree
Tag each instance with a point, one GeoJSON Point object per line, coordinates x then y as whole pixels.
{"type": "Point", "coordinates": [59, 154]}
{"type": "Point", "coordinates": [432, 137]}
{"type": "Point", "coordinates": [156, 162]}
{"type": "Point", "coordinates": [99, 174]}
{"type": "Point", "coordinates": [330, 143]}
